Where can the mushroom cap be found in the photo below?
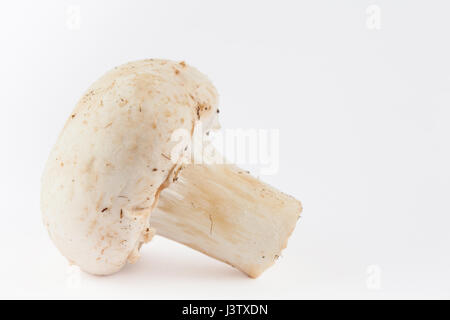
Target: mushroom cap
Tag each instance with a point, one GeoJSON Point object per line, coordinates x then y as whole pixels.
{"type": "Point", "coordinates": [113, 158]}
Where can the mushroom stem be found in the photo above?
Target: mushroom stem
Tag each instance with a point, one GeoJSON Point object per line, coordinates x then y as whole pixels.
{"type": "Point", "coordinates": [224, 212]}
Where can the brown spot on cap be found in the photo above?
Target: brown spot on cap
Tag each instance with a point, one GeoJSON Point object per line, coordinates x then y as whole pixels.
{"type": "Point", "coordinates": [123, 102]}
{"type": "Point", "coordinates": [198, 111]}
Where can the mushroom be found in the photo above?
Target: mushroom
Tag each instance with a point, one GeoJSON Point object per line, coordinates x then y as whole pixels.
{"type": "Point", "coordinates": [111, 182]}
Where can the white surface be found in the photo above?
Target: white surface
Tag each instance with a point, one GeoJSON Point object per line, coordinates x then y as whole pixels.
{"type": "Point", "coordinates": [364, 126]}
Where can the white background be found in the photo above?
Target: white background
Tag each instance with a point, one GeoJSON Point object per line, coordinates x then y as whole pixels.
{"type": "Point", "coordinates": [363, 115]}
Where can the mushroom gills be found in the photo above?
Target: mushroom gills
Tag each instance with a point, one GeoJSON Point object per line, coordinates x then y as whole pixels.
{"type": "Point", "coordinates": [224, 212]}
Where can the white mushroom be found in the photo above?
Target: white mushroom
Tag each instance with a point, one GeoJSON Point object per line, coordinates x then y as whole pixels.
{"type": "Point", "coordinates": [112, 163]}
